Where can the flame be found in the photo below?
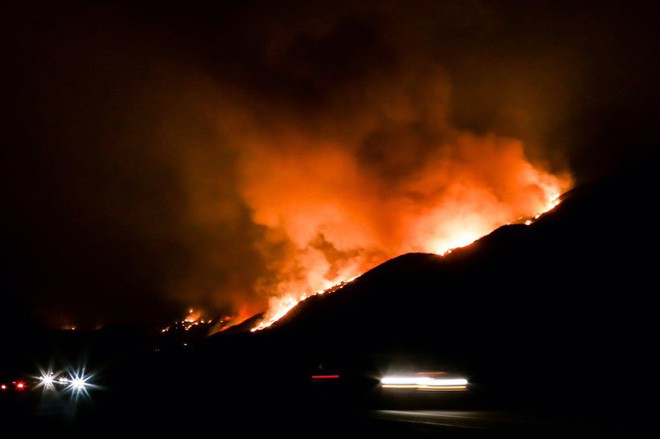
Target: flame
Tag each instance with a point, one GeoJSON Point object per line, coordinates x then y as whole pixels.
{"type": "Point", "coordinates": [465, 233]}
{"type": "Point", "coordinates": [553, 202]}
{"type": "Point", "coordinates": [294, 202]}
{"type": "Point", "coordinates": [193, 318]}
{"type": "Point", "coordinates": [280, 306]}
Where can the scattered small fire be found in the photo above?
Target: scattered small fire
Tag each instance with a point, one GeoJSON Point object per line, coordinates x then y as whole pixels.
{"type": "Point", "coordinates": [192, 319]}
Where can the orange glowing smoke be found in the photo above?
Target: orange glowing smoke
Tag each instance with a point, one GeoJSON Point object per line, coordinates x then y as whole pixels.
{"type": "Point", "coordinates": [243, 314]}
{"type": "Point", "coordinates": [340, 222]}
{"type": "Point", "coordinates": [333, 189]}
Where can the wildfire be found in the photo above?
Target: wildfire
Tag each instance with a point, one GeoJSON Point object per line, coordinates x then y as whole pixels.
{"type": "Point", "coordinates": [466, 235]}
{"type": "Point", "coordinates": [193, 318]}
{"type": "Point", "coordinates": [460, 240]}
{"type": "Point", "coordinates": [285, 304]}
{"type": "Point", "coordinates": [227, 322]}
{"type": "Point", "coordinates": [552, 203]}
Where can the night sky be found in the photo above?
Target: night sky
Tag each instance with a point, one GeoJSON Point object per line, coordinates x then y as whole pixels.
{"type": "Point", "coordinates": [166, 155]}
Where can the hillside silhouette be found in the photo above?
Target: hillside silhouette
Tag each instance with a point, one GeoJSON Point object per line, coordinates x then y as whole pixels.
{"type": "Point", "coordinates": [555, 314]}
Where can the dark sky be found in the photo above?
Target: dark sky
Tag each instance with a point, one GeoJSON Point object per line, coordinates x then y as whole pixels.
{"type": "Point", "coordinates": [163, 155]}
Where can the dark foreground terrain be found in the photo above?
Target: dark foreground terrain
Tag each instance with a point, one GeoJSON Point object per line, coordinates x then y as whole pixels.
{"type": "Point", "coordinates": [553, 324]}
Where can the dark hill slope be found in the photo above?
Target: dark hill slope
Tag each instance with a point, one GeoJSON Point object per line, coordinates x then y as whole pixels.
{"type": "Point", "coordinates": [557, 314]}
{"type": "Point", "coordinates": [571, 295]}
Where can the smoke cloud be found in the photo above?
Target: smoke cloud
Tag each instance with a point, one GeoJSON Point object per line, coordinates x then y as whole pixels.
{"type": "Point", "coordinates": [227, 156]}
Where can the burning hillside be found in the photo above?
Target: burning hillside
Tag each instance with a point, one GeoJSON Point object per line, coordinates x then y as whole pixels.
{"type": "Point", "coordinates": [522, 299]}
{"type": "Point", "coordinates": [313, 151]}
{"type": "Point", "coordinates": [332, 220]}
{"type": "Point", "coordinates": [281, 305]}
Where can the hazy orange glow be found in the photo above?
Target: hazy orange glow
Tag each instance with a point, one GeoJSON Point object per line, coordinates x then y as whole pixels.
{"type": "Point", "coordinates": [192, 316]}
{"type": "Point", "coordinates": [437, 232]}
{"type": "Point", "coordinates": [332, 195]}
{"type": "Point", "coordinates": [264, 153]}
{"type": "Point", "coordinates": [243, 314]}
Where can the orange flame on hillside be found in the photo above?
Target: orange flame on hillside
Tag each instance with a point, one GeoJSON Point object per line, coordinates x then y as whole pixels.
{"type": "Point", "coordinates": [192, 318]}
{"type": "Point", "coordinates": [294, 203]}
{"type": "Point", "coordinates": [466, 232]}
{"type": "Point", "coordinates": [282, 305]}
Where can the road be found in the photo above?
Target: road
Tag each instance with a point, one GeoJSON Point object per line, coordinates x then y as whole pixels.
{"type": "Point", "coordinates": [494, 424]}
{"type": "Point", "coordinates": [275, 418]}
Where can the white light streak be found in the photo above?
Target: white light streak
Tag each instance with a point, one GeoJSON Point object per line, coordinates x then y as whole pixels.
{"type": "Point", "coordinates": [423, 383]}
